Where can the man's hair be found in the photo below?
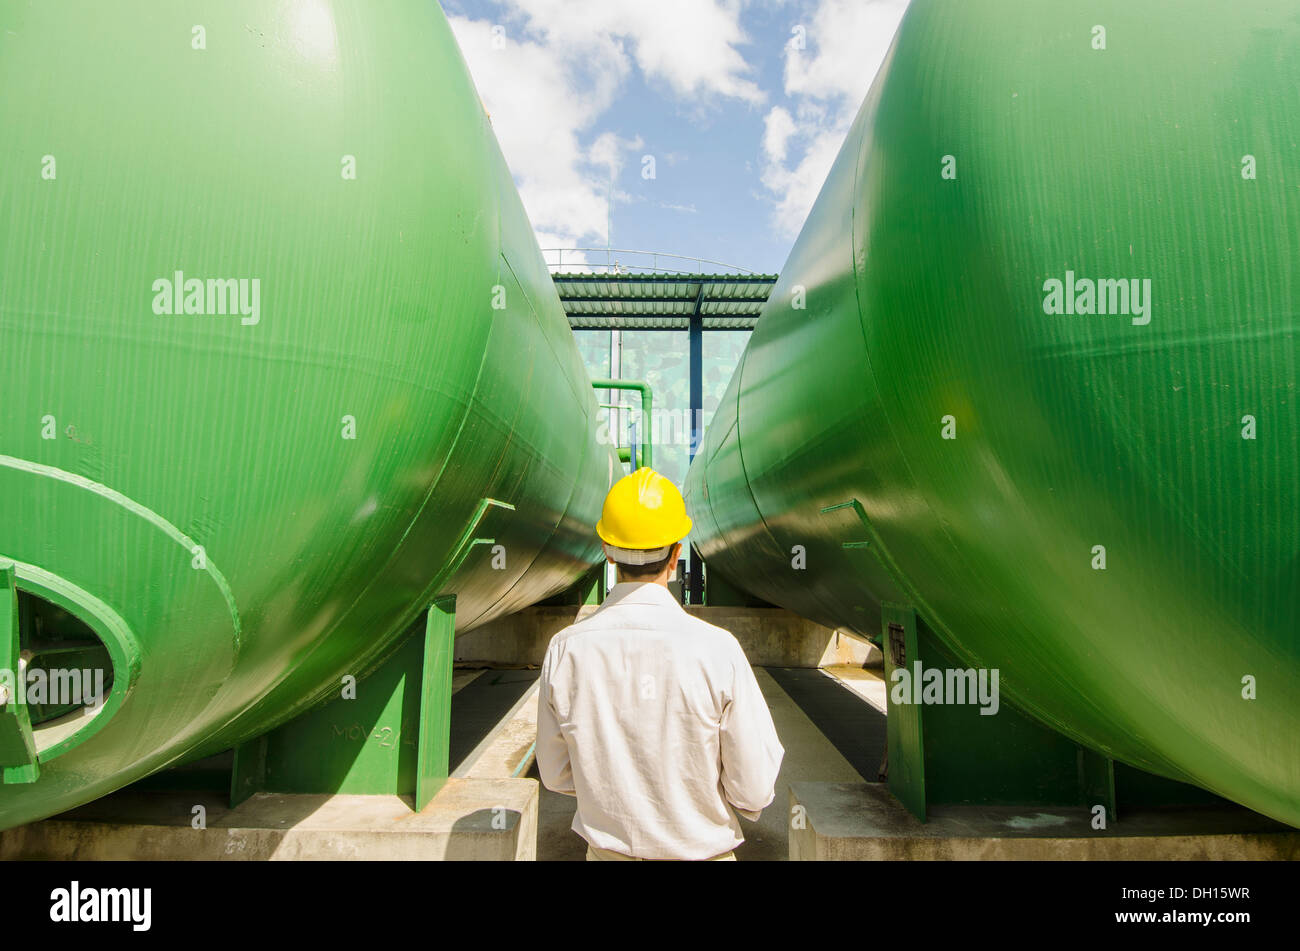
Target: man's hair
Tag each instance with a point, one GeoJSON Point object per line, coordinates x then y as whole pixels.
{"type": "Point", "coordinates": [644, 572]}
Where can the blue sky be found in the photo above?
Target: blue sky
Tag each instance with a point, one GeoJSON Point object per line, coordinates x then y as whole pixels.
{"type": "Point", "coordinates": [742, 124]}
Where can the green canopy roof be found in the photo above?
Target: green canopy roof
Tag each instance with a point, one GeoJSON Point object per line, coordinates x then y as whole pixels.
{"type": "Point", "coordinates": [662, 301]}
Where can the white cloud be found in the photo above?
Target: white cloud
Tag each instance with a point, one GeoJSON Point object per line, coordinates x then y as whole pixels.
{"type": "Point", "coordinates": [847, 40]}
{"type": "Point", "coordinates": [777, 129]}
{"type": "Point", "coordinates": [851, 38]}
{"type": "Point", "coordinates": [608, 149]}
{"type": "Point", "coordinates": [557, 256]}
{"type": "Point", "coordinates": [538, 114]}
{"type": "Point", "coordinates": [688, 45]}
{"type": "Point", "coordinates": [564, 64]}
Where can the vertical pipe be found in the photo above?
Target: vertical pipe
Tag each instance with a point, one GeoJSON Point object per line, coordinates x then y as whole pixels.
{"type": "Point", "coordinates": [695, 586]}
{"type": "Point", "coordinates": [647, 411]}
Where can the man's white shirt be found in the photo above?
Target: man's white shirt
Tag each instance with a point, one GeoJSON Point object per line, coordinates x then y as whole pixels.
{"type": "Point", "coordinates": [652, 718]}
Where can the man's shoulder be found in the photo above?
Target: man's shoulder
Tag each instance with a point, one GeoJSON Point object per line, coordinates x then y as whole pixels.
{"type": "Point", "coordinates": [717, 637]}
{"type": "Point", "coordinates": [598, 620]}
{"type": "Point", "coordinates": [707, 636]}
{"type": "Point", "coordinates": [565, 634]}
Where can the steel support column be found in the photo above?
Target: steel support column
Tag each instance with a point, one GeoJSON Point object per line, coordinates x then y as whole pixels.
{"type": "Point", "coordinates": [695, 589]}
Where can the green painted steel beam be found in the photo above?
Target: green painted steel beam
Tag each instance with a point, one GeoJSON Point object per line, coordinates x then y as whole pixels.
{"type": "Point", "coordinates": [906, 734]}
{"type": "Point", "coordinates": [248, 769]}
{"type": "Point", "coordinates": [434, 737]}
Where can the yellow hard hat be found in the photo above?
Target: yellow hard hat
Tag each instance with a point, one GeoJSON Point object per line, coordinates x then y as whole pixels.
{"type": "Point", "coordinates": [643, 511]}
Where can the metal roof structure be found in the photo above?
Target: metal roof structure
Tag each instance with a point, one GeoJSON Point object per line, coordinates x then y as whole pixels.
{"type": "Point", "coordinates": [663, 301]}
{"type": "Point", "coordinates": [623, 295]}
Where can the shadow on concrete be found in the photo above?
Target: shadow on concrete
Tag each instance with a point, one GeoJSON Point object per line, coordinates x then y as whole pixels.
{"type": "Point", "coordinates": [556, 840]}
{"type": "Point", "coordinates": [854, 727]}
{"type": "Point", "coordinates": [484, 835]}
{"type": "Point", "coordinates": [479, 706]}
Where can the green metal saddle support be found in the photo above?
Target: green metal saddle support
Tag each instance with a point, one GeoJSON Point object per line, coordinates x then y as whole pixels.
{"type": "Point", "coordinates": [949, 754]}
{"type": "Point", "coordinates": [388, 734]}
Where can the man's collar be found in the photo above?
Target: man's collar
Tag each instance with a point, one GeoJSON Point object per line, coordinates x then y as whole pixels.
{"type": "Point", "coordinates": [639, 592]}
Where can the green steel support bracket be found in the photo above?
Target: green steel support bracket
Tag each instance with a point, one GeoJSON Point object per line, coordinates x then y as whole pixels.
{"type": "Point", "coordinates": [432, 767]}
{"type": "Point", "coordinates": [1097, 782]}
{"type": "Point", "coordinates": [647, 415]}
{"type": "Point", "coordinates": [946, 751]}
{"type": "Point", "coordinates": [467, 539]}
{"type": "Point", "coordinates": [861, 513]}
{"type": "Point", "coordinates": [248, 775]}
{"type": "Point", "coordinates": [905, 736]}
{"type": "Point", "coordinates": [17, 746]}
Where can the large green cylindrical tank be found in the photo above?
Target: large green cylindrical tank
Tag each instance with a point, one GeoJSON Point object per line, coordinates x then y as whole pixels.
{"type": "Point", "coordinates": [245, 506]}
{"type": "Point", "coordinates": [1004, 146]}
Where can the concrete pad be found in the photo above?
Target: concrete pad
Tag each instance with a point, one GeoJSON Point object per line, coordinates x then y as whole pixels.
{"type": "Point", "coordinates": [481, 819]}
{"type": "Point", "coordinates": [509, 750]}
{"type": "Point", "coordinates": [863, 822]}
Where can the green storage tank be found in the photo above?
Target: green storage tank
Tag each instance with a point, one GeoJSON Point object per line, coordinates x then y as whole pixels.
{"type": "Point", "coordinates": [1031, 370]}
{"type": "Point", "coordinates": [279, 353]}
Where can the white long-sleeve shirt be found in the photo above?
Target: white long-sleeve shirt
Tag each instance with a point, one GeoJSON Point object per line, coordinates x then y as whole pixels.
{"type": "Point", "coordinates": [653, 720]}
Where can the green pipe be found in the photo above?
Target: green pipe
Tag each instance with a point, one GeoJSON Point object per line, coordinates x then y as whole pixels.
{"type": "Point", "coordinates": [647, 400]}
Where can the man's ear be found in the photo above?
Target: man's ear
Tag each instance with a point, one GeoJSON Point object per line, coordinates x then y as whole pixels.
{"type": "Point", "coordinates": [673, 557]}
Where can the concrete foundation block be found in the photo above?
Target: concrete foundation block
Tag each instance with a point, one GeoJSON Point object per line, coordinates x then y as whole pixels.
{"type": "Point", "coordinates": [775, 637]}
{"type": "Point", "coordinates": [518, 639]}
{"type": "Point", "coordinates": [478, 819]}
{"type": "Point", "coordinates": [863, 822]}
{"type": "Point", "coordinates": [771, 637]}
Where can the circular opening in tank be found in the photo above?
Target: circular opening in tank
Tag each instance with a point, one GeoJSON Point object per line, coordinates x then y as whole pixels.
{"type": "Point", "coordinates": [77, 659]}
{"type": "Point", "coordinates": [66, 669]}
